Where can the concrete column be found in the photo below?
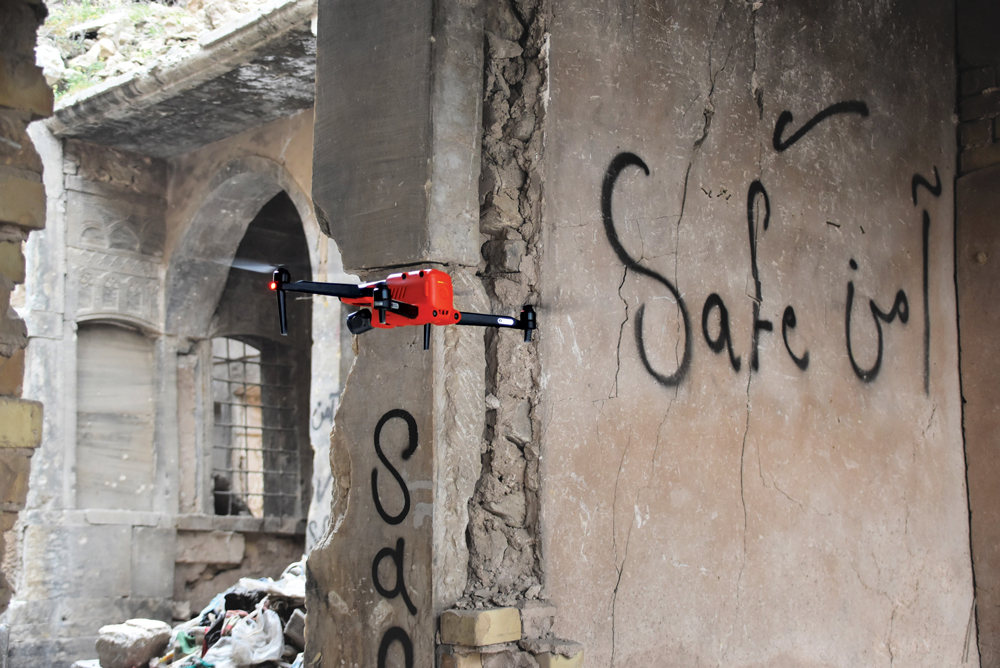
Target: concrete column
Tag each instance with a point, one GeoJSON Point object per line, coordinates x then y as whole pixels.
{"type": "Point", "coordinates": [396, 169]}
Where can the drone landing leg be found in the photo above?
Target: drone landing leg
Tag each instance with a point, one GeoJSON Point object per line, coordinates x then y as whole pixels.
{"type": "Point", "coordinates": [427, 336]}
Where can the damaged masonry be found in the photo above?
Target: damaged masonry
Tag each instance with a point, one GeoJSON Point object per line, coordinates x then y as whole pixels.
{"type": "Point", "coordinates": [756, 236]}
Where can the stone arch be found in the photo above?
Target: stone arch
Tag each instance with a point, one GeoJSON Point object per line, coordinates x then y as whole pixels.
{"type": "Point", "coordinates": [199, 264]}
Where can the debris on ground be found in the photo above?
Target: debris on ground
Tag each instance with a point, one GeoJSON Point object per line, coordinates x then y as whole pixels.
{"type": "Point", "coordinates": [253, 623]}
{"type": "Point", "coordinates": [133, 643]}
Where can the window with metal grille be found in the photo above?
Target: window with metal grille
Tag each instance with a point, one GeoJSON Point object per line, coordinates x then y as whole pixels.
{"type": "Point", "coordinates": [256, 451]}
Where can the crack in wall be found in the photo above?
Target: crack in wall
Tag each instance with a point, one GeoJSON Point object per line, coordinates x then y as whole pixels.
{"type": "Point", "coordinates": [621, 332]}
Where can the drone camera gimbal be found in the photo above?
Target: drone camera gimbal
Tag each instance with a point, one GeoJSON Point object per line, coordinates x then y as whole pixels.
{"type": "Point", "coordinates": [422, 297]}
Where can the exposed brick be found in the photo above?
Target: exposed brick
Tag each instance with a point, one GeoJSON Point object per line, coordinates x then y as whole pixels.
{"type": "Point", "coordinates": [12, 261]}
{"type": "Point", "coordinates": [22, 202]}
{"type": "Point", "coordinates": [20, 423]}
{"type": "Point", "coordinates": [23, 87]}
{"type": "Point", "coordinates": [15, 469]}
{"type": "Point", "coordinates": [972, 159]}
{"type": "Point", "coordinates": [980, 106]}
{"type": "Point", "coordinates": [12, 374]}
{"type": "Point", "coordinates": [475, 628]}
{"type": "Point", "coordinates": [975, 132]}
{"type": "Point", "coordinates": [973, 82]}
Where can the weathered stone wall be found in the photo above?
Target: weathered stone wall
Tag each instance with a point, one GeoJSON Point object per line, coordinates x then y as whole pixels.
{"type": "Point", "coordinates": [505, 559]}
{"type": "Point", "coordinates": [751, 420]}
{"type": "Point", "coordinates": [24, 96]}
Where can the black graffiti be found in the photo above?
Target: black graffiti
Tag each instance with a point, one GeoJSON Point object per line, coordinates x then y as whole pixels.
{"type": "Point", "coordinates": [725, 339]}
{"type": "Point", "coordinates": [396, 634]}
{"type": "Point", "coordinates": [617, 166]}
{"type": "Point", "coordinates": [322, 412]}
{"type": "Point", "coordinates": [850, 107]}
{"type": "Point", "coordinates": [400, 587]}
{"type": "Point", "coordinates": [900, 307]}
{"type": "Point", "coordinates": [925, 237]}
{"type": "Point", "coordinates": [757, 190]}
{"type": "Point", "coordinates": [788, 322]}
{"type": "Point", "coordinates": [411, 426]}
{"type": "Point", "coordinates": [919, 181]}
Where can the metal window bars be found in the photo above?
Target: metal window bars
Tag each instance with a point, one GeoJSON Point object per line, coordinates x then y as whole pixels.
{"type": "Point", "coordinates": [255, 456]}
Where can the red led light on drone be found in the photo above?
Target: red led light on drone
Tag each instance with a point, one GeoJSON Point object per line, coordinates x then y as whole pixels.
{"type": "Point", "coordinates": [274, 285]}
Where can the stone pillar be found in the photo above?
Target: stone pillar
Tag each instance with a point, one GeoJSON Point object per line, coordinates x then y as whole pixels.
{"type": "Point", "coordinates": [24, 96]}
{"type": "Point", "coordinates": [396, 169]}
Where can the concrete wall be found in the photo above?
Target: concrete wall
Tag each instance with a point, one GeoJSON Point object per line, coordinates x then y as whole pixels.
{"type": "Point", "coordinates": [751, 421]}
{"type": "Point", "coordinates": [24, 96]}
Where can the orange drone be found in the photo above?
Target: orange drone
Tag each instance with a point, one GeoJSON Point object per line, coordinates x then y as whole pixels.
{"type": "Point", "coordinates": [422, 297]}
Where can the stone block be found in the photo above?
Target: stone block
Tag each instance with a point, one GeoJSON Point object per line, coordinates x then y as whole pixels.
{"type": "Point", "coordinates": [75, 562]}
{"type": "Point", "coordinates": [550, 660]}
{"type": "Point", "coordinates": [12, 374]}
{"type": "Point", "coordinates": [449, 659]}
{"type": "Point", "coordinates": [12, 261]}
{"type": "Point", "coordinates": [23, 87]}
{"type": "Point", "coordinates": [133, 643]}
{"type": "Point", "coordinates": [505, 255]}
{"type": "Point", "coordinates": [214, 547]}
{"type": "Point", "coordinates": [973, 82]}
{"type": "Point", "coordinates": [972, 159]}
{"type": "Point", "coordinates": [15, 469]}
{"type": "Point", "coordinates": [537, 618]}
{"type": "Point", "coordinates": [22, 202]}
{"type": "Point", "coordinates": [475, 628]}
{"type": "Point", "coordinates": [20, 423]}
{"type": "Point", "coordinates": [980, 106]}
{"type": "Point", "coordinates": [153, 552]}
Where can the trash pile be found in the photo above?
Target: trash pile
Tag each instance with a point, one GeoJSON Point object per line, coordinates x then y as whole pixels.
{"type": "Point", "coordinates": [254, 623]}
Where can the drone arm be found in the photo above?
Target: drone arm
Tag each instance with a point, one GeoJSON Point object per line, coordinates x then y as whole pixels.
{"type": "Point", "coordinates": [343, 290]}
{"type": "Point", "coordinates": [526, 322]}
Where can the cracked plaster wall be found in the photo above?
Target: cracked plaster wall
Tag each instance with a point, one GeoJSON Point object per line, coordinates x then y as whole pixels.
{"type": "Point", "coordinates": [707, 501]}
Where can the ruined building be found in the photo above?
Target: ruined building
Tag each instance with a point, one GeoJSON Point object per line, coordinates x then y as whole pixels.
{"type": "Point", "coordinates": [177, 450]}
{"type": "Point", "coordinates": [754, 426]}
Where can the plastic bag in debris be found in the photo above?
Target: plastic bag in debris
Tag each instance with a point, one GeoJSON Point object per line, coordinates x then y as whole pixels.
{"type": "Point", "coordinates": [255, 639]}
{"type": "Point", "coordinates": [292, 583]}
{"type": "Point", "coordinates": [212, 611]}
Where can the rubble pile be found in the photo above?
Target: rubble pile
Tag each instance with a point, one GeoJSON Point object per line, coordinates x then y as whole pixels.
{"type": "Point", "coordinates": [86, 42]}
{"type": "Point", "coordinates": [254, 623]}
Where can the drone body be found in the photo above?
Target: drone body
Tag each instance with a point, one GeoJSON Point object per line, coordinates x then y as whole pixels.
{"type": "Point", "coordinates": [423, 297]}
